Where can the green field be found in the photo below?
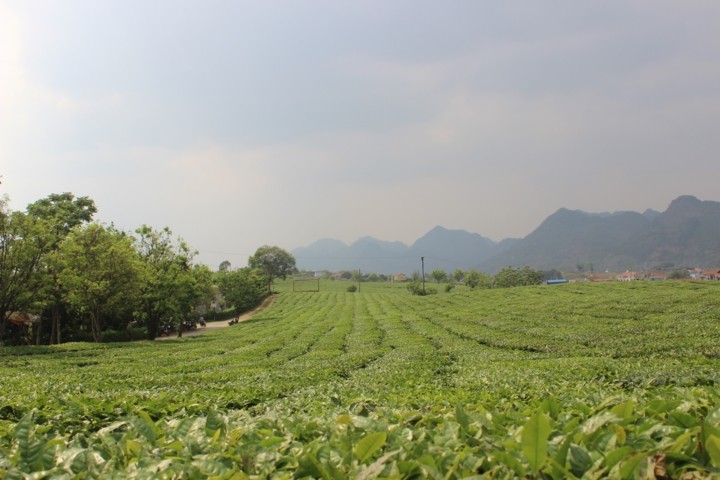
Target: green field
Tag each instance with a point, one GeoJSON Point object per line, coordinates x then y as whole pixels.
{"type": "Point", "coordinates": [576, 380]}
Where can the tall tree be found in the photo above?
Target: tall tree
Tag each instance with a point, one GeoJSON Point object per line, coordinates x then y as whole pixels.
{"type": "Point", "coordinates": [439, 275]}
{"type": "Point", "coordinates": [100, 272]}
{"type": "Point", "coordinates": [61, 212]}
{"type": "Point", "coordinates": [171, 286]}
{"type": "Point", "coordinates": [274, 263]}
{"type": "Point", "coordinates": [23, 243]}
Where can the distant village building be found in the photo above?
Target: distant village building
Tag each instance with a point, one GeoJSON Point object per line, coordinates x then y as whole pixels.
{"type": "Point", "coordinates": [400, 277]}
{"type": "Point", "coordinates": [627, 276]}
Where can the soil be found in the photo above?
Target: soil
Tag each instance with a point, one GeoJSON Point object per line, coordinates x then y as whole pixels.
{"type": "Point", "coordinates": [209, 326]}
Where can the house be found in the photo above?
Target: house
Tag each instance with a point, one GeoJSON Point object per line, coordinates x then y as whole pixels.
{"type": "Point", "coordinates": [400, 277]}
{"type": "Point", "coordinates": [656, 277]}
{"type": "Point", "coordinates": [710, 275]}
{"type": "Point", "coordinates": [627, 276]}
{"type": "Point", "coordinates": [695, 274]}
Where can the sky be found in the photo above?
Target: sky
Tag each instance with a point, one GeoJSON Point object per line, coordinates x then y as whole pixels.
{"type": "Point", "coordinates": [238, 124]}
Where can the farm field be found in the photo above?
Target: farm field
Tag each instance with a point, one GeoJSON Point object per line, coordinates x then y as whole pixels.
{"type": "Point", "coordinates": [569, 381]}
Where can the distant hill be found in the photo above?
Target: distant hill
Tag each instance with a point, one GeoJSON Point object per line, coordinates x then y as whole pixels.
{"type": "Point", "coordinates": [442, 248]}
{"type": "Point", "coordinates": [687, 234]}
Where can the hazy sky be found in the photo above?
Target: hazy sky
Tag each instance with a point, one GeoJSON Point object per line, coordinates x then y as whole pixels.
{"type": "Point", "coordinates": [239, 124]}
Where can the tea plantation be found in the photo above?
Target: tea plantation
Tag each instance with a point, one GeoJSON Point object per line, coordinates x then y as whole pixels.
{"type": "Point", "coordinates": [569, 381]}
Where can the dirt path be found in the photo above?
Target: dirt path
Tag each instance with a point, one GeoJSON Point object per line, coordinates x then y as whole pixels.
{"type": "Point", "coordinates": [210, 326]}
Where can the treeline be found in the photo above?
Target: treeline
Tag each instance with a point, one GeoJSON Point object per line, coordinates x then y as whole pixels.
{"type": "Point", "coordinates": [507, 277]}
{"type": "Point", "coordinates": [65, 277]}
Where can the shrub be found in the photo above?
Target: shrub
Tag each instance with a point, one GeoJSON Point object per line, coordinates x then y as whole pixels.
{"type": "Point", "coordinates": [352, 288]}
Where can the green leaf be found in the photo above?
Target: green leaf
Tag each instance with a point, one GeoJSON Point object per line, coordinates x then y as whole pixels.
{"type": "Point", "coordinates": [370, 444]}
{"type": "Point", "coordinates": [629, 467]}
{"type": "Point", "coordinates": [145, 426]}
{"type": "Point", "coordinates": [612, 458]}
{"type": "Point", "coordinates": [23, 431]}
{"type": "Point", "coordinates": [462, 417]}
{"type": "Point", "coordinates": [535, 440]}
{"type": "Point", "coordinates": [712, 445]}
{"type": "Point", "coordinates": [580, 461]}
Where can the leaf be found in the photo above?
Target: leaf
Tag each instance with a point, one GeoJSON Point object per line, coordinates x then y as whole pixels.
{"type": "Point", "coordinates": [370, 444]}
{"type": "Point", "coordinates": [535, 440]}
{"type": "Point", "coordinates": [580, 461]}
{"type": "Point", "coordinates": [462, 417]}
{"type": "Point", "coordinates": [22, 432]}
{"type": "Point", "coordinates": [145, 426]}
{"type": "Point", "coordinates": [376, 467]}
{"type": "Point", "coordinates": [629, 467]}
{"type": "Point", "coordinates": [712, 445]}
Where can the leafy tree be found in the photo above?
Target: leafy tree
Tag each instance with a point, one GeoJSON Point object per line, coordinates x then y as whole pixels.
{"type": "Point", "coordinates": [100, 272]}
{"type": "Point", "coordinates": [553, 274]}
{"type": "Point", "coordinates": [61, 213]}
{"type": "Point", "coordinates": [510, 277]}
{"type": "Point", "coordinates": [458, 275]}
{"type": "Point", "coordinates": [243, 288]}
{"type": "Point", "coordinates": [23, 243]}
{"type": "Point", "coordinates": [224, 266]}
{"type": "Point", "coordinates": [474, 279]}
{"type": "Point", "coordinates": [439, 275]}
{"type": "Point", "coordinates": [274, 262]}
{"type": "Point", "coordinates": [170, 287]}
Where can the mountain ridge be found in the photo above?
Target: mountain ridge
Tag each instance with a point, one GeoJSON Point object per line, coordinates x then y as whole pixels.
{"type": "Point", "coordinates": [687, 233]}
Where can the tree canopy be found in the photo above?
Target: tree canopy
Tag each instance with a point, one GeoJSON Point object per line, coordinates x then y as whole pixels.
{"type": "Point", "coordinates": [274, 262]}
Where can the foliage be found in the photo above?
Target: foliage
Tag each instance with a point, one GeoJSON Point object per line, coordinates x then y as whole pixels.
{"type": "Point", "coordinates": [99, 273]}
{"type": "Point", "coordinates": [474, 279]}
{"type": "Point", "coordinates": [351, 288]}
{"type": "Point", "coordinates": [439, 275]}
{"type": "Point", "coordinates": [171, 286]}
{"type": "Point", "coordinates": [416, 287]}
{"type": "Point", "coordinates": [274, 262]}
{"type": "Point", "coordinates": [243, 288]}
{"type": "Point", "coordinates": [61, 213]}
{"type": "Point", "coordinates": [575, 381]}
{"type": "Point", "coordinates": [510, 277]}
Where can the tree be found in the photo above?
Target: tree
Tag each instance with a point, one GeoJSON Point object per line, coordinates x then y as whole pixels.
{"type": "Point", "coordinates": [61, 212]}
{"type": "Point", "coordinates": [23, 243]}
{"type": "Point", "coordinates": [274, 262]}
{"type": "Point", "coordinates": [243, 288]}
{"type": "Point", "coordinates": [474, 279]}
{"type": "Point", "coordinates": [170, 287]}
{"type": "Point", "coordinates": [458, 275]}
{"type": "Point", "coordinates": [510, 277]}
{"type": "Point", "coordinates": [100, 272]}
{"type": "Point", "coordinates": [439, 275]}
{"type": "Point", "coordinates": [225, 265]}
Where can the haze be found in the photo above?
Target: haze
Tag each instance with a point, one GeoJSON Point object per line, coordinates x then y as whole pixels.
{"type": "Point", "coordinates": [239, 124]}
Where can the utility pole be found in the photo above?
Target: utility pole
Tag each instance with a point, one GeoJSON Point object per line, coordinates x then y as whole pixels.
{"type": "Point", "coordinates": [422, 269]}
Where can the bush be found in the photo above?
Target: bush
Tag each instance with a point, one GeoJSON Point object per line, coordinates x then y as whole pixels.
{"type": "Point", "coordinates": [415, 287]}
{"type": "Point", "coordinates": [352, 288]}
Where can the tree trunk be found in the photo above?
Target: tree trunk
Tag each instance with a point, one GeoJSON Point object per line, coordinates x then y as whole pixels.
{"type": "Point", "coordinates": [55, 335]}
{"type": "Point", "coordinates": [96, 327]}
{"type": "Point", "coordinates": [38, 334]}
{"type": "Point", "coordinates": [3, 324]}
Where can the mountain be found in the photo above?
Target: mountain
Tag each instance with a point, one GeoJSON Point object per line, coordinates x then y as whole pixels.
{"type": "Point", "coordinates": [452, 249]}
{"type": "Point", "coordinates": [441, 247]}
{"type": "Point", "coordinates": [687, 234]}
